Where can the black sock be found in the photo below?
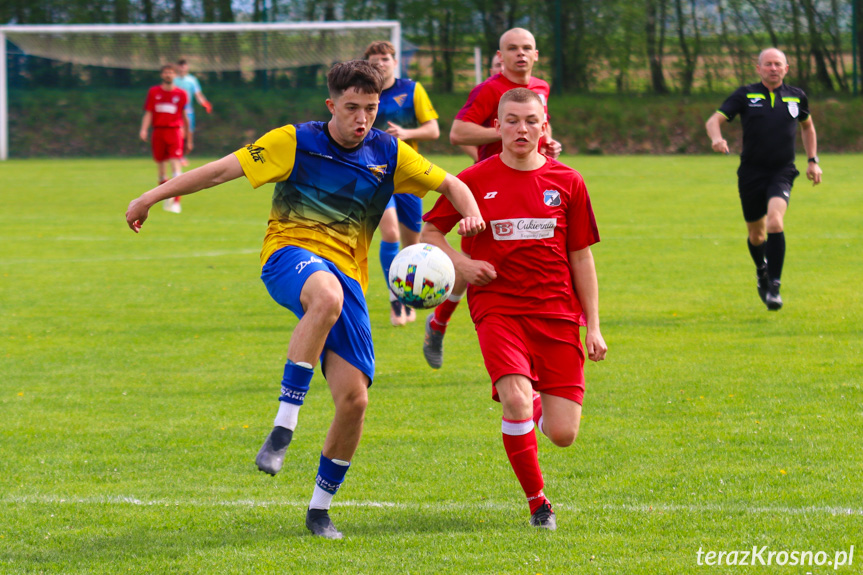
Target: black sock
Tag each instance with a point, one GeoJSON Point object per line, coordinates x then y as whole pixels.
{"type": "Point", "coordinates": [775, 254]}
{"type": "Point", "coordinates": [757, 253]}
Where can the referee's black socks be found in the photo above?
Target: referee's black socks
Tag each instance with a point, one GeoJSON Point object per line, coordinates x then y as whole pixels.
{"type": "Point", "coordinates": [775, 252]}
{"type": "Point", "coordinates": [757, 253]}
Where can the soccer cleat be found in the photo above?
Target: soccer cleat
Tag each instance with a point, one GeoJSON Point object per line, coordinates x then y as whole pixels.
{"type": "Point", "coordinates": [272, 453]}
{"type": "Point", "coordinates": [544, 518]}
{"type": "Point", "coordinates": [319, 523]}
{"type": "Point", "coordinates": [433, 345]}
{"type": "Point", "coordinates": [763, 283]}
{"type": "Point", "coordinates": [397, 313]}
{"type": "Point", "coordinates": [773, 299]}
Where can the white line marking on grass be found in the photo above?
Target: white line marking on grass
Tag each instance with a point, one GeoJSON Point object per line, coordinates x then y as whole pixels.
{"type": "Point", "coordinates": [643, 508]}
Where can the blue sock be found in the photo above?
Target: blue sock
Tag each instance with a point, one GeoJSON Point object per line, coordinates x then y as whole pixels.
{"type": "Point", "coordinates": [388, 252]}
{"type": "Point", "coordinates": [295, 383]}
{"type": "Point", "coordinates": [330, 475]}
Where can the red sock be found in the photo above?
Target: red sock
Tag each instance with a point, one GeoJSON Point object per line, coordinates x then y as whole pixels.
{"type": "Point", "coordinates": [519, 441]}
{"type": "Point", "coordinates": [442, 313]}
{"type": "Point", "coordinates": [537, 409]}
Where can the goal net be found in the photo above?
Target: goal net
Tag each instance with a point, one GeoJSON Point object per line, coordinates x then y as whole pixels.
{"type": "Point", "coordinates": [207, 47]}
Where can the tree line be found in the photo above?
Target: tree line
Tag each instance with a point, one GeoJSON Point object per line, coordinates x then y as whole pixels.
{"type": "Point", "coordinates": [586, 46]}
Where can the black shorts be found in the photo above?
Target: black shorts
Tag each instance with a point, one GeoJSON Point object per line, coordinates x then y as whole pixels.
{"type": "Point", "coordinates": [757, 186]}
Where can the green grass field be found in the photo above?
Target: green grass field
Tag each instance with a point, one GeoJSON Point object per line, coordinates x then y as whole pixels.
{"type": "Point", "coordinates": [139, 376]}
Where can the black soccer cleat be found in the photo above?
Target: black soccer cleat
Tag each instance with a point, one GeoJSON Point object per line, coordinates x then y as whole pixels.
{"type": "Point", "coordinates": [272, 453]}
{"type": "Point", "coordinates": [544, 518]}
{"type": "Point", "coordinates": [763, 283]}
{"type": "Point", "coordinates": [773, 299]}
{"type": "Point", "coordinates": [319, 523]}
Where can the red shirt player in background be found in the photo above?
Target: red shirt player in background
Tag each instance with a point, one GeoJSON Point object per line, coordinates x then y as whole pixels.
{"type": "Point", "coordinates": [474, 126]}
{"type": "Point", "coordinates": [165, 110]}
{"type": "Point", "coordinates": [532, 283]}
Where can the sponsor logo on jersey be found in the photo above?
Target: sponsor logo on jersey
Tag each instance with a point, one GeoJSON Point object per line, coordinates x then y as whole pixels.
{"type": "Point", "coordinates": [429, 169]}
{"type": "Point", "coordinates": [400, 99]}
{"type": "Point", "coordinates": [755, 100]}
{"type": "Point", "coordinates": [502, 229]}
{"type": "Point", "coordinates": [302, 265]}
{"type": "Point", "coordinates": [319, 155]}
{"type": "Point", "coordinates": [551, 197]}
{"type": "Point", "coordinates": [523, 228]}
{"type": "Point", "coordinates": [490, 195]}
{"type": "Point", "coordinates": [379, 171]}
{"type": "Point", "coordinates": [166, 108]}
{"type": "Point", "coordinates": [257, 153]}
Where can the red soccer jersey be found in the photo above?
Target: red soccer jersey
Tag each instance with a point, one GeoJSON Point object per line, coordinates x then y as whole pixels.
{"type": "Point", "coordinates": [534, 220]}
{"type": "Point", "coordinates": [481, 105]}
{"type": "Point", "coordinates": [167, 106]}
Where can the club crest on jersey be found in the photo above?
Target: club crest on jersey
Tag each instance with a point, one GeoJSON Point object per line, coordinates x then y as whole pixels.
{"type": "Point", "coordinates": [379, 171]}
{"type": "Point", "coordinates": [551, 198]}
{"type": "Point", "coordinates": [504, 228]}
{"type": "Point", "coordinates": [400, 99]}
{"type": "Point", "coordinates": [793, 109]}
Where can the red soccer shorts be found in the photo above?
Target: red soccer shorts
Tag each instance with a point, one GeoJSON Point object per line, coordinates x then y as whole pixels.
{"type": "Point", "coordinates": [167, 144]}
{"type": "Point", "coordinates": [546, 350]}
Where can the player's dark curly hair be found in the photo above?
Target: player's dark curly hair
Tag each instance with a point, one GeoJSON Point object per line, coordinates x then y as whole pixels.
{"type": "Point", "coordinates": [357, 74]}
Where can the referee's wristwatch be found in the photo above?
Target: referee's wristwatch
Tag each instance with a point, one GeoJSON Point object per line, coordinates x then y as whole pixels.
{"type": "Point", "coordinates": [813, 160]}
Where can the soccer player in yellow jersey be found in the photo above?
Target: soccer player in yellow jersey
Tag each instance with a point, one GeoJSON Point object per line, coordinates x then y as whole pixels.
{"type": "Point", "coordinates": [333, 181]}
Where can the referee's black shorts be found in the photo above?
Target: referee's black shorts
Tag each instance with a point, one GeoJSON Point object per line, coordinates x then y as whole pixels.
{"type": "Point", "coordinates": [758, 185]}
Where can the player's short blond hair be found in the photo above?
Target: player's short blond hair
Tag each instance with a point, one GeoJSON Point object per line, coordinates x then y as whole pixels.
{"type": "Point", "coordinates": [380, 47]}
{"type": "Point", "coordinates": [519, 96]}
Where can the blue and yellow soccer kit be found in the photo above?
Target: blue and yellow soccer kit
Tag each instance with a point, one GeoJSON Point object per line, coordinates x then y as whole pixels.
{"type": "Point", "coordinates": [407, 104]}
{"type": "Point", "coordinates": [327, 203]}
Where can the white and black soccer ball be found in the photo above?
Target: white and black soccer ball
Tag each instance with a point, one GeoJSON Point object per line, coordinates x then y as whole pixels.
{"type": "Point", "coordinates": [422, 276]}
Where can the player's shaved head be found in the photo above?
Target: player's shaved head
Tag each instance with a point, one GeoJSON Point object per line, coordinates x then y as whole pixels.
{"type": "Point", "coordinates": [360, 75]}
{"type": "Point", "coordinates": [518, 36]}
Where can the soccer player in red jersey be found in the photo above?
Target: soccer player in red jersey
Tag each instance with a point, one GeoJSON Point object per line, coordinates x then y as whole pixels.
{"type": "Point", "coordinates": [165, 110]}
{"type": "Point", "coordinates": [532, 284]}
{"type": "Point", "coordinates": [474, 126]}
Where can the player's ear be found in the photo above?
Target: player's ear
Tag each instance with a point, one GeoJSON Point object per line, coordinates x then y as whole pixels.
{"type": "Point", "coordinates": [331, 106]}
{"type": "Point", "coordinates": [497, 126]}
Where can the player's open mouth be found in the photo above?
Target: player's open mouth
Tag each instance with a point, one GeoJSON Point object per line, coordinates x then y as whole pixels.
{"type": "Point", "coordinates": [525, 140]}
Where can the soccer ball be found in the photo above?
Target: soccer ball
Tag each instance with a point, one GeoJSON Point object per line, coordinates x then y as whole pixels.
{"type": "Point", "coordinates": [422, 276]}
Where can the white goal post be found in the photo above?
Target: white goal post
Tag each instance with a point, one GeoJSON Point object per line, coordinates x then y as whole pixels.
{"type": "Point", "coordinates": [207, 47]}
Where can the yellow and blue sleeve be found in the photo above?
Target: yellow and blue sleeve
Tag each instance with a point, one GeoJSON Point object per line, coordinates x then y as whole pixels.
{"type": "Point", "coordinates": [422, 105]}
{"type": "Point", "coordinates": [414, 174]}
{"type": "Point", "coordinates": [271, 158]}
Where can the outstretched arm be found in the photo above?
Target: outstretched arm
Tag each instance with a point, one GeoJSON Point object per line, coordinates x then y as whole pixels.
{"type": "Point", "coordinates": [202, 100]}
{"type": "Point", "coordinates": [207, 176]}
{"type": "Point", "coordinates": [474, 272]}
{"type": "Point", "coordinates": [469, 134]}
{"type": "Point", "coordinates": [587, 289]}
{"type": "Point", "coordinates": [425, 131]}
{"type": "Point", "coordinates": [463, 201]}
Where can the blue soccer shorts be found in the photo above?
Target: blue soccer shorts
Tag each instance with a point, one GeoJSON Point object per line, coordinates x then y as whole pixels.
{"type": "Point", "coordinates": [285, 274]}
{"type": "Point", "coordinates": [409, 209]}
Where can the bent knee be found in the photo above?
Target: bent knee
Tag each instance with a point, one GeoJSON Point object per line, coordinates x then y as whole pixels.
{"type": "Point", "coordinates": [561, 436]}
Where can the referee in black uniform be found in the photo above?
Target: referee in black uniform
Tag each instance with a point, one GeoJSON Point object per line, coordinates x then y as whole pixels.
{"type": "Point", "coordinates": [769, 111]}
